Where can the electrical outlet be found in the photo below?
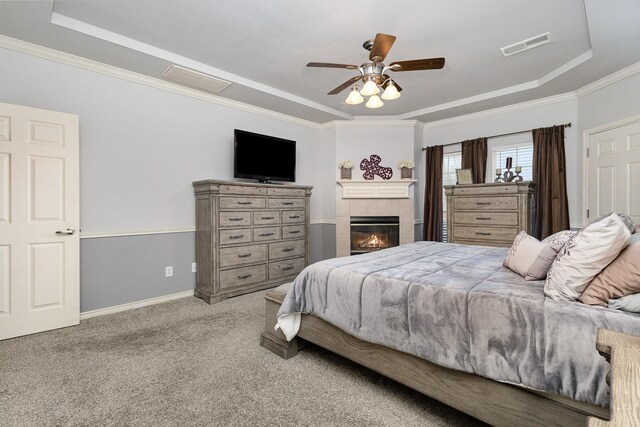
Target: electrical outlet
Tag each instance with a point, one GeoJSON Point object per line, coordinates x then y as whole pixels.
{"type": "Point", "coordinates": [168, 271]}
{"type": "Point", "coordinates": [194, 267]}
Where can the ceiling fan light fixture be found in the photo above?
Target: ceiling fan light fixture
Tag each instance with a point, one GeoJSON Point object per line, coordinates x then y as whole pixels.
{"type": "Point", "coordinates": [391, 92]}
{"type": "Point", "coordinates": [374, 102]}
{"type": "Point", "coordinates": [370, 88]}
{"type": "Point", "coordinates": [354, 97]}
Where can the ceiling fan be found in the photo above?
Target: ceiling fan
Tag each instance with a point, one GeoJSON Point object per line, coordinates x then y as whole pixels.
{"type": "Point", "coordinates": [373, 73]}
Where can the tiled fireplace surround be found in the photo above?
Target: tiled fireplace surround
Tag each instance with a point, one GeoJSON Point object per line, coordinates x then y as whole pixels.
{"type": "Point", "coordinates": [378, 199]}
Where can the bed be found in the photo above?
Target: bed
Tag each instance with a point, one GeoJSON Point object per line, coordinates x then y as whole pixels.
{"type": "Point", "coordinates": [451, 322]}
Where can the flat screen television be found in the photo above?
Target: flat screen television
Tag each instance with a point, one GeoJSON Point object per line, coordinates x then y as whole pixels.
{"type": "Point", "coordinates": [264, 158]}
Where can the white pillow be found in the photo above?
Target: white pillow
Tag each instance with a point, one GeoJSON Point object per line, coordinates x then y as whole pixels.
{"type": "Point", "coordinates": [584, 256]}
{"type": "Point", "coordinates": [559, 239]}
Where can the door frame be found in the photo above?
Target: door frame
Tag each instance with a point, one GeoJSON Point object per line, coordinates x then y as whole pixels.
{"type": "Point", "coordinates": [586, 134]}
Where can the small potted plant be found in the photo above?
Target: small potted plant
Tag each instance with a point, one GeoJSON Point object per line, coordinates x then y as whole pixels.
{"type": "Point", "coordinates": [406, 169]}
{"type": "Point", "coordinates": [345, 169]}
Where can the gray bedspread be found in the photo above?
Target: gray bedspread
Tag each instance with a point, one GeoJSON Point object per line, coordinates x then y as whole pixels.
{"type": "Point", "coordinates": [456, 306]}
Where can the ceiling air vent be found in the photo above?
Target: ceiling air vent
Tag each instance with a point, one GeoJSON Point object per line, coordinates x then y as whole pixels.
{"type": "Point", "coordinates": [195, 79]}
{"type": "Point", "coordinates": [526, 44]}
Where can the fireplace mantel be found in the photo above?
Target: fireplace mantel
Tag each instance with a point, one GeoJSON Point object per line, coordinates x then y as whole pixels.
{"type": "Point", "coordinates": [391, 189]}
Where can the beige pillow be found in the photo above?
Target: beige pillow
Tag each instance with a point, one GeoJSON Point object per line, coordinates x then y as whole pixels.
{"type": "Point", "coordinates": [559, 239]}
{"type": "Point", "coordinates": [529, 257]}
{"type": "Point", "coordinates": [618, 279]}
{"type": "Point", "coordinates": [584, 256]}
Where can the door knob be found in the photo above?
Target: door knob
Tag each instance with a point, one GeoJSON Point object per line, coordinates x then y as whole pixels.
{"type": "Point", "coordinates": [68, 231]}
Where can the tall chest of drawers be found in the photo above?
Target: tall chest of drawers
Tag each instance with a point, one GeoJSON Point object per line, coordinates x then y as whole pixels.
{"type": "Point", "coordinates": [249, 236]}
{"type": "Point", "coordinates": [488, 214]}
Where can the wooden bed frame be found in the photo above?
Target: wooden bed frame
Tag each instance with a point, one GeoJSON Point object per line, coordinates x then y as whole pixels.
{"type": "Point", "coordinates": [493, 402]}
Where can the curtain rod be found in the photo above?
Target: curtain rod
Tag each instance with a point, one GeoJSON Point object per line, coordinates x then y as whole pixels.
{"type": "Point", "coordinates": [567, 125]}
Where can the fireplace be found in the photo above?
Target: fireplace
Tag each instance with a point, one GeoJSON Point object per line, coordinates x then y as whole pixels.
{"type": "Point", "coordinates": [372, 233]}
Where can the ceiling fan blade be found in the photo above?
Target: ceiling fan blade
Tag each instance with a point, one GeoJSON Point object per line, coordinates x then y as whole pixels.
{"type": "Point", "coordinates": [417, 64]}
{"type": "Point", "coordinates": [345, 85]}
{"type": "Point", "coordinates": [381, 46]}
{"type": "Point", "coordinates": [330, 65]}
{"type": "Point", "coordinates": [387, 80]}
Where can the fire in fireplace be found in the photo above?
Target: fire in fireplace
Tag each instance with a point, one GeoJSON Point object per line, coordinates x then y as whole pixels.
{"type": "Point", "coordinates": [372, 233]}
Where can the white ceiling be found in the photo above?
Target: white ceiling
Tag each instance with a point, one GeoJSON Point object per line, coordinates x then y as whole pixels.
{"type": "Point", "coordinates": [262, 46]}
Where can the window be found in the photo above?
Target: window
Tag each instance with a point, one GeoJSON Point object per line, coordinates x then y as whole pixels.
{"type": "Point", "coordinates": [450, 162]}
{"type": "Point", "coordinates": [522, 155]}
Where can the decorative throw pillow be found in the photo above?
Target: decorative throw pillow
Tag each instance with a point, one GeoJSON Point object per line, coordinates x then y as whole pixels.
{"type": "Point", "coordinates": [559, 239]}
{"type": "Point", "coordinates": [542, 264]}
{"type": "Point", "coordinates": [630, 303]}
{"type": "Point", "coordinates": [584, 256]}
{"type": "Point", "coordinates": [529, 257]}
{"type": "Point", "coordinates": [618, 279]}
{"type": "Point", "coordinates": [628, 222]}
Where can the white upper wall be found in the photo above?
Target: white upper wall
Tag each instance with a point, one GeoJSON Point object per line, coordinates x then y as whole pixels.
{"type": "Point", "coordinates": [141, 147]}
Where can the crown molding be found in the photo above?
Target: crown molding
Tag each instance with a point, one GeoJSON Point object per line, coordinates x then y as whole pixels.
{"type": "Point", "coordinates": [373, 123]}
{"type": "Point", "coordinates": [629, 71]}
{"type": "Point", "coordinates": [569, 96]}
{"type": "Point", "coordinates": [120, 73]}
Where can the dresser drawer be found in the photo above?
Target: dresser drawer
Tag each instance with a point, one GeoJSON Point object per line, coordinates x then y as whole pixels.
{"type": "Point", "coordinates": [486, 203]}
{"type": "Point", "coordinates": [290, 217]}
{"type": "Point", "coordinates": [293, 231]}
{"type": "Point", "coordinates": [285, 268]}
{"type": "Point", "coordinates": [503, 234]}
{"type": "Point", "coordinates": [266, 233]}
{"type": "Point", "coordinates": [286, 203]}
{"type": "Point", "coordinates": [266, 217]}
{"type": "Point", "coordinates": [243, 276]}
{"type": "Point", "coordinates": [242, 255]}
{"type": "Point", "coordinates": [234, 219]}
{"type": "Point", "coordinates": [486, 218]}
{"type": "Point", "coordinates": [242, 202]}
{"type": "Point", "coordinates": [289, 249]}
{"type": "Point", "coordinates": [229, 237]}
{"type": "Point", "coordinates": [286, 192]}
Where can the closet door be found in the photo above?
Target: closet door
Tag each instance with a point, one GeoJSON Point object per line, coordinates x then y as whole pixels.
{"type": "Point", "coordinates": [614, 172]}
{"type": "Point", "coordinates": [39, 219]}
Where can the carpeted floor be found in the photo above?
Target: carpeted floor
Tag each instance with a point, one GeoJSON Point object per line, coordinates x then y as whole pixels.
{"type": "Point", "coordinates": [188, 363]}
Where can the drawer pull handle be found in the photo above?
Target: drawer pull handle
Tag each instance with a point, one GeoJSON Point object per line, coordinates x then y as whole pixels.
{"type": "Point", "coordinates": [244, 255]}
{"type": "Point", "coordinates": [287, 203]}
{"type": "Point", "coordinates": [294, 216]}
{"type": "Point", "coordinates": [483, 234]}
{"type": "Point", "coordinates": [294, 232]}
{"type": "Point", "coordinates": [266, 217]}
{"type": "Point", "coordinates": [483, 203]}
{"type": "Point", "coordinates": [236, 219]}
{"type": "Point", "coordinates": [245, 203]}
{"type": "Point", "coordinates": [288, 267]}
{"type": "Point", "coordinates": [483, 219]}
{"type": "Point", "coordinates": [287, 249]}
{"type": "Point", "coordinates": [244, 276]}
{"type": "Point", "coordinates": [266, 234]}
{"type": "Point", "coordinates": [237, 236]}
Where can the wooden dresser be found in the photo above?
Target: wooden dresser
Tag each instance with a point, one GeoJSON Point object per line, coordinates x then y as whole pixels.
{"type": "Point", "coordinates": [488, 214]}
{"type": "Point", "coordinates": [249, 236]}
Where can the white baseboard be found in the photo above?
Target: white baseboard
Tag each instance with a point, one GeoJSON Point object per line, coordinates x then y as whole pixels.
{"type": "Point", "coordinates": [135, 304]}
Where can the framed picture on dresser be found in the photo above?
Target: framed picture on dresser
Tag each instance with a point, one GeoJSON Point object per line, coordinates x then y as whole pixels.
{"type": "Point", "coordinates": [464, 176]}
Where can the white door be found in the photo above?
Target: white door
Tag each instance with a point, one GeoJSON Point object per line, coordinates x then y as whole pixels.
{"type": "Point", "coordinates": [614, 172]}
{"type": "Point", "coordinates": [39, 217]}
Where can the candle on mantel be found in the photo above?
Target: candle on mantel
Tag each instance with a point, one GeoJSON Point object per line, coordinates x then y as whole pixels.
{"type": "Point", "coordinates": [509, 162]}
{"type": "Point", "coordinates": [498, 171]}
{"type": "Point", "coordinates": [518, 169]}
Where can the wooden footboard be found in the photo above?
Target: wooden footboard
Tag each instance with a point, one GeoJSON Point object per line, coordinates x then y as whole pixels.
{"type": "Point", "coordinates": [493, 402]}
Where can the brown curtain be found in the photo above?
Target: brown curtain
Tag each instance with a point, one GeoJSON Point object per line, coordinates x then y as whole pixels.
{"type": "Point", "coordinates": [474, 157]}
{"type": "Point", "coordinates": [432, 225]}
{"type": "Point", "coordinates": [551, 207]}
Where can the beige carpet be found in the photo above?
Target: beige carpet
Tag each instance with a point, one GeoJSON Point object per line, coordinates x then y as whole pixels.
{"type": "Point", "coordinates": [188, 363]}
